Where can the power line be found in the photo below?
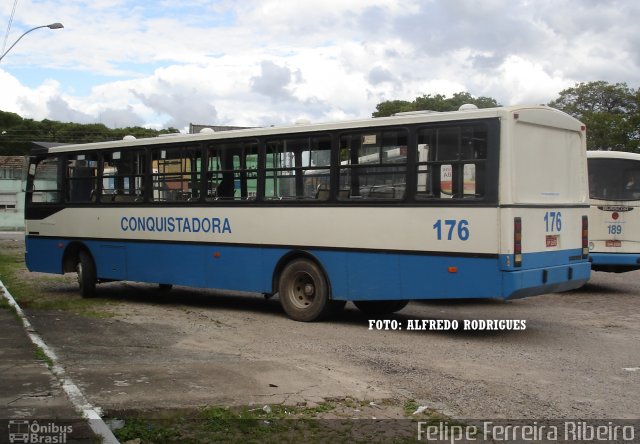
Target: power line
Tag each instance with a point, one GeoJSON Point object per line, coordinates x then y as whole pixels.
{"type": "Point", "coordinates": [6, 36]}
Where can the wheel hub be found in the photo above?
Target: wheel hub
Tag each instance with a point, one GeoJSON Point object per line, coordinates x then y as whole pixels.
{"type": "Point", "coordinates": [309, 289]}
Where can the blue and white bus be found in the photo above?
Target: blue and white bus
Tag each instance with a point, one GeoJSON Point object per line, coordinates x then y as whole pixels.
{"type": "Point", "coordinates": [614, 192]}
{"type": "Point", "coordinates": [479, 203]}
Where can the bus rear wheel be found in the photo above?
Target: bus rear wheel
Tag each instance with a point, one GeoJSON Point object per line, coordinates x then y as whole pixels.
{"type": "Point", "coordinates": [304, 292]}
{"type": "Point", "coordinates": [380, 307]}
{"type": "Point", "coordinates": [86, 275]}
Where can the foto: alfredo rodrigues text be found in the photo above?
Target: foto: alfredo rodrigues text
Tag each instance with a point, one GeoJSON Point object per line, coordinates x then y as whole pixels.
{"type": "Point", "coordinates": [445, 324]}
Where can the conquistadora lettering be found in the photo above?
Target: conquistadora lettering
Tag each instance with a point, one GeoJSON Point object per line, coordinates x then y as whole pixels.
{"type": "Point", "coordinates": [170, 224]}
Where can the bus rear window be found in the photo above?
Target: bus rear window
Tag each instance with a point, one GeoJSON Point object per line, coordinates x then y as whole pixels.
{"type": "Point", "coordinates": [614, 179]}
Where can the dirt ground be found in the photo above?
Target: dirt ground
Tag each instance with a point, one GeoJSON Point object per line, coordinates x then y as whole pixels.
{"type": "Point", "coordinates": [578, 356]}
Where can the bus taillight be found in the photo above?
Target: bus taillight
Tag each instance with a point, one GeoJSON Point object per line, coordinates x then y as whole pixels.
{"type": "Point", "coordinates": [517, 241]}
{"type": "Point", "coordinates": [585, 237]}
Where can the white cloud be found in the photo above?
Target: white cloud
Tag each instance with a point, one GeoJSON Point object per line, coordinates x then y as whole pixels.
{"type": "Point", "coordinates": [158, 64]}
{"type": "Point", "coordinates": [523, 81]}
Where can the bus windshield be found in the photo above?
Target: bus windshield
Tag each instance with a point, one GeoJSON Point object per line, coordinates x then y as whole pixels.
{"type": "Point", "coordinates": [614, 179]}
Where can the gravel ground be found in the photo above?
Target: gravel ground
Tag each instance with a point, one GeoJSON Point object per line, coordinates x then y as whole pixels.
{"type": "Point", "coordinates": [577, 358]}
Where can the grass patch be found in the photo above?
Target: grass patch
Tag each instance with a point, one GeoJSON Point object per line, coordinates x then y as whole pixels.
{"type": "Point", "coordinates": [5, 305]}
{"type": "Point", "coordinates": [10, 263]}
{"type": "Point", "coordinates": [329, 421]}
{"type": "Point", "coordinates": [46, 292]}
{"type": "Point", "coordinates": [42, 356]}
{"type": "Point", "coordinates": [410, 406]}
{"type": "Point", "coordinates": [276, 424]}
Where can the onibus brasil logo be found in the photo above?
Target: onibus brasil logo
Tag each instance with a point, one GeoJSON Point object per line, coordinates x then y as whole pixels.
{"type": "Point", "coordinates": [25, 431]}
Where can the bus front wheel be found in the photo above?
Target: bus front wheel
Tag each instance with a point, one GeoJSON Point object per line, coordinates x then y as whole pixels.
{"type": "Point", "coordinates": [86, 274]}
{"type": "Point", "coordinates": [380, 307]}
{"type": "Point", "coordinates": [304, 291]}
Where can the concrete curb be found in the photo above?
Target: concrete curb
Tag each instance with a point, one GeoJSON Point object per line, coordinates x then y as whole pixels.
{"type": "Point", "coordinates": [73, 392]}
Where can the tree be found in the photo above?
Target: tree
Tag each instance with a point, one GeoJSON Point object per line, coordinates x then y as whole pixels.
{"type": "Point", "coordinates": [610, 112]}
{"type": "Point", "coordinates": [390, 107]}
{"type": "Point", "coordinates": [16, 133]}
{"type": "Point", "coordinates": [438, 102]}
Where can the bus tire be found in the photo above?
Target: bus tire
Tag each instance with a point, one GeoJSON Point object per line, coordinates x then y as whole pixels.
{"type": "Point", "coordinates": [380, 307]}
{"type": "Point", "coordinates": [86, 275]}
{"type": "Point", "coordinates": [304, 291]}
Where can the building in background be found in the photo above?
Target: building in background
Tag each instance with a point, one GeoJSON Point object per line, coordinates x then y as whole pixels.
{"type": "Point", "coordinates": [12, 184]}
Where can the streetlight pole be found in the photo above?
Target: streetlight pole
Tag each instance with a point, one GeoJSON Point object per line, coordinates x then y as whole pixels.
{"type": "Point", "coordinates": [51, 26]}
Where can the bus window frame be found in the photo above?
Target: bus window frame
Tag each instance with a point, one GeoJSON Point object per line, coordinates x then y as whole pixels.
{"type": "Point", "coordinates": [60, 180]}
{"type": "Point", "coordinates": [433, 166]}
{"type": "Point", "coordinates": [96, 189]}
{"type": "Point", "coordinates": [127, 198]}
{"type": "Point", "coordinates": [299, 169]}
{"type": "Point", "coordinates": [233, 146]}
{"type": "Point", "coordinates": [412, 165]}
{"type": "Point", "coordinates": [490, 172]}
{"type": "Point", "coordinates": [349, 167]}
{"type": "Point", "coordinates": [153, 177]}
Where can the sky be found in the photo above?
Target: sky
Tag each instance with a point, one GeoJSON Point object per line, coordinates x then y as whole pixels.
{"type": "Point", "coordinates": [162, 64]}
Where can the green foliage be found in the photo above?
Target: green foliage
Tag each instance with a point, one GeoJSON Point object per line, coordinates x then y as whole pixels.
{"type": "Point", "coordinates": [42, 356]}
{"type": "Point", "coordinates": [16, 133]}
{"type": "Point", "coordinates": [430, 102]}
{"type": "Point", "coordinates": [610, 112]}
{"type": "Point", "coordinates": [393, 106]}
{"type": "Point", "coordinates": [51, 292]}
{"type": "Point", "coordinates": [146, 431]}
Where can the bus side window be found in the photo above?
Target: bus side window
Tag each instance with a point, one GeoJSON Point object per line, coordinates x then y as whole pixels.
{"type": "Point", "coordinates": [82, 178]}
{"type": "Point", "coordinates": [177, 174]}
{"type": "Point", "coordinates": [424, 171]}
{"type": "Point", "coordinates": [298, 168]}
{"type": "Point", "coordinates": [47, 181]}
{"type": "Point", "coordinates": [451, 162]}
{"type": "Point", "coordinates": [373, 165]}
{"type": "Point", "coordinates": [232, 171]}
{"type": "Point", "coordinates": [281, 174]}
{"type": "Point", "coordinates": [316, 160]}
{"type": "Point", "coordinates": [123, 176]}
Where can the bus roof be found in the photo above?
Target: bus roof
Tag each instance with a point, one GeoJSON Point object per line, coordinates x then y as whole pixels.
{"type": "Point", "coordinates": [613, 155]}
{"type": "Point", "coordinates": [536, 114]}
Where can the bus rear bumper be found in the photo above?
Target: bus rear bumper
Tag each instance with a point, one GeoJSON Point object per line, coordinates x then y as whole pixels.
{"type": "Point", "coordinates": [531, 282]}
{"type": "Point", "coordinates": [615, 259]}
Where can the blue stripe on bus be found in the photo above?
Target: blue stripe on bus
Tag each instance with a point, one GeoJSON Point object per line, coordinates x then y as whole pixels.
{"type": "Point", "coordinates": [541, 260]}
{"type": "Point", "coordinates": [353, 275]}
{"type": "Point", "coordinates": [625, 259]}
